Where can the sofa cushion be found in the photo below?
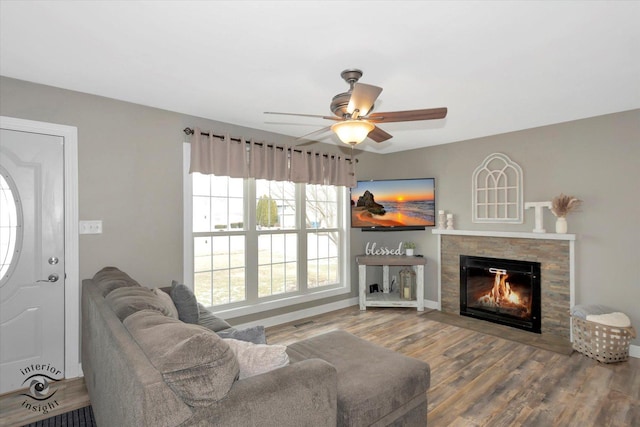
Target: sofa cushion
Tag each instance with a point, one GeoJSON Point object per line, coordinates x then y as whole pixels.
{"type": "Point", "coordinates": [255, 359]}
{"type": "Point", "coordinates": [210, 320]}
{"type": "Point", "coordinates": [197, 364]}
{"type": "Point", "coordinates": [186, 303]}
{"type": "Point", "coordinates": [110, 278]}
{"type": "Point", "coordinates": [167, 302]}
{"type": "Point", "coordinates": [254, 334]}
{"type": "Point", "coordinates": [126, 301]}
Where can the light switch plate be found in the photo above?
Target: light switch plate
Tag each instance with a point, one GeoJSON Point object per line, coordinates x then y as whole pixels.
{"type": "Point", "coordinates": [91, 227]}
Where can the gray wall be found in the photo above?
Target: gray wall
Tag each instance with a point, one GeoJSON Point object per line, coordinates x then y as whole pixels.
{"type": "Point", "coordinates": [130, 176]}
{"type": "Point", "coordinates": [597, 160]}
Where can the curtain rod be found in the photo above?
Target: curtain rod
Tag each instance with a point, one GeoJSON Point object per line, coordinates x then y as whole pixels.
{"type": "Point", "coordinates": [190, 131]}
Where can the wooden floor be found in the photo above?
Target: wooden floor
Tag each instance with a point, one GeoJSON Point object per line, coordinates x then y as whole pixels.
{"type": "Point", "coordinates": [476, 379]}
{"type": "Point", "coordinates": [69, 395]}
{"type": "Point", "coordinates": [483, 380]}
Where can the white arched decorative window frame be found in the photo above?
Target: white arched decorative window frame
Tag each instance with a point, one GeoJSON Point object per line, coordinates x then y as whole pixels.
{"type": "Point", "coordinates": [497, 191]}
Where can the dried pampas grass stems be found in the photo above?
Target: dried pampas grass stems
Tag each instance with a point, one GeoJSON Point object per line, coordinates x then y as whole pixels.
{"type": "Point", "coordinates": [561, 205]}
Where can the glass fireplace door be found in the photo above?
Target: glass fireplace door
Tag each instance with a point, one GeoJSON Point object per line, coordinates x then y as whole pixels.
{"type": "Point", "coordinates": [501, 290]}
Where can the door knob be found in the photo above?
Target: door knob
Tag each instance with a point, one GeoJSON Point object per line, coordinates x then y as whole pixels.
{"type": "Point", "coordinates": [52, 278]}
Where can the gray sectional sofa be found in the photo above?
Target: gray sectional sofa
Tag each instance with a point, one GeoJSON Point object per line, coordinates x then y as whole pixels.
{"type": "Point", "coordinates": [145, 367]}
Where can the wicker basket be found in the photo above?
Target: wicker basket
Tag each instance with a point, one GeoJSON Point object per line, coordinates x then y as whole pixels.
{"type": "Point", "coordinates": [606, 344]}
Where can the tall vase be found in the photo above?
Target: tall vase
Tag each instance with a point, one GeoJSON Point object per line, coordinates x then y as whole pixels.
{"type": "Point", "coordinates": [561, 225]}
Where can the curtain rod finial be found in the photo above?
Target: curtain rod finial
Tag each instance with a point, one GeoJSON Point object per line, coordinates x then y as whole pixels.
{"type": "Point", "coordinates": [188, 131]}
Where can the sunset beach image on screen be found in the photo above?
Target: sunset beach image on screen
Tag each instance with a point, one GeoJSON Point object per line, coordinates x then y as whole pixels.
{"type": "Point", "coordinates": [393, 203]}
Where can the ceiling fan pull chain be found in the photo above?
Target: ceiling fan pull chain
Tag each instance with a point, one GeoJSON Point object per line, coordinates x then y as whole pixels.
{"type": "Point", "coordinates": [354, 163]}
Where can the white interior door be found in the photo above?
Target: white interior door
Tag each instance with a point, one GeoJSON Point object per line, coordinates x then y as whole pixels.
{"type": "Point", "coordinates": [32, 253]}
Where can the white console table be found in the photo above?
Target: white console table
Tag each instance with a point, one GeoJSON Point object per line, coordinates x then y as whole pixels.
{"type": "Point", "coordinates": [385, 298]}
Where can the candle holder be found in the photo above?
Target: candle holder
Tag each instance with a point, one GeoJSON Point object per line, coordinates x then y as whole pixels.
{"type": "Point", "coordinates": [407, 284]}
{"type": "Point", "coordinates": [441, 220]}
{"type": "Point", "coordinates": [450, 222]}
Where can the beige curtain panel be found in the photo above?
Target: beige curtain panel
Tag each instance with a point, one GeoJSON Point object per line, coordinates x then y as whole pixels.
{"type": "Point", "coordinates": [268, 162]}
{"type": "Point", "coordinates": [214, 156]}
{"type": "Point", "coordinates": [249, 159]}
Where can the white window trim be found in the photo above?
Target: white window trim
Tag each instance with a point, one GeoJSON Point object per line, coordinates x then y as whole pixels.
{"type": "Point", "coordinates": [284, 300]}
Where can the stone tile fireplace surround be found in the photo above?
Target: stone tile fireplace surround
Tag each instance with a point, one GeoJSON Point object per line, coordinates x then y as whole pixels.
{"type": "Point", "coordinates": [555, 252]}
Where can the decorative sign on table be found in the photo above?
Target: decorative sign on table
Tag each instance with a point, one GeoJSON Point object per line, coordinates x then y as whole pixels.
{"type": "Point", "coordinates": [372, 249]}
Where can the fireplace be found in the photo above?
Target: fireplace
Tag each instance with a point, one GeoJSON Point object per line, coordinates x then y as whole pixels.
{"type": "Point", "coordinates": [501, 291]}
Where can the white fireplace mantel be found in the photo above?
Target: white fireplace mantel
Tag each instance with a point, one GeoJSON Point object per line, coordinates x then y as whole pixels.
{"type": "Point", "coordinates": [507, 234]}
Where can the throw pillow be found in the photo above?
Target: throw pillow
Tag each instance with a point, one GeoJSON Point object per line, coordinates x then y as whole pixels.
{"type": "Point", "coordinates": [126, 301]}
{"type": "Point", "coordinates": [210, 320]}
{"type": "Point", "coordinates": [166, 300]}
{"type": "Point", "coordinates": [254, 334]}
{"type": "Point", "coordinates": [186, 303]}
{"type": "Point", "coordinates": [198, 365]}
{"type": "Point", "coordinates": [255, 359]}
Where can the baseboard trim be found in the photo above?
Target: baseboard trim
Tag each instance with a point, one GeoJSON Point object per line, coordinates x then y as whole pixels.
{"type": "Point", "coordinates": [431, 304]}
{"type": "Point", "coordinates": [301, 314]}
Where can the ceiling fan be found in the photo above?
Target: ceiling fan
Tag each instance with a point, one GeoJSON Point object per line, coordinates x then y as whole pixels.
{"type": "Point", "coordinates": [353, 113]}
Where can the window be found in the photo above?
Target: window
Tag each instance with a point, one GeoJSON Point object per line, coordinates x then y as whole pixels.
{"type": "Point", "coordinates": [253, 245]}
{"type": "Point", "coordinates": [218, 260]}
{"type": "Point", "coordinates": [323, 238]}
{"type": "Point", "coordinates": [276, 211]}
{"type": "Point", "coordinates": [10, 227]}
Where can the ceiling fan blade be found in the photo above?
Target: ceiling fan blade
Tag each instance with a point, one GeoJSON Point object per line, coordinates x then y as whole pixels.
{"type": "Point", "coordinates": [409, 116]}
{"type": "Point", "coordinates": [378, 135]}
{"type": "Point", "coordinates": [362, 99]}
{"type": "Point", "coordinates": [304, 115]}
{"type": "Point", "coordinates": [315, 132]}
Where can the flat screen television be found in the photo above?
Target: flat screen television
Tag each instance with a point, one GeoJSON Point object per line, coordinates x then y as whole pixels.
{"type": "Point", "coordinates": [394, 204]}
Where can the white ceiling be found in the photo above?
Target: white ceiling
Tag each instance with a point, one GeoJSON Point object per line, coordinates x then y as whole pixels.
{"type": "Point", "coordinates": [498, 66]}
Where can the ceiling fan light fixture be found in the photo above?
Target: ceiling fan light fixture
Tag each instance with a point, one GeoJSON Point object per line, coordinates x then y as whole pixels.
{"type": "Point", "coordinates": [352, 132]}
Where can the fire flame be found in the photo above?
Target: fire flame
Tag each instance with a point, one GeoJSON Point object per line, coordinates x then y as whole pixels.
{"type": "Point", "coordinates": [501, 294]}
